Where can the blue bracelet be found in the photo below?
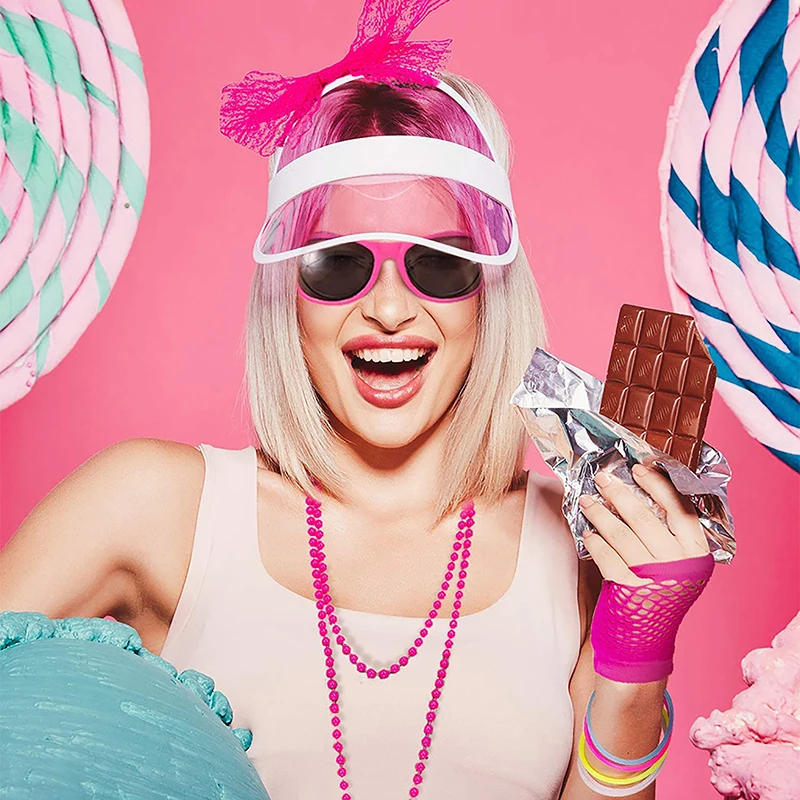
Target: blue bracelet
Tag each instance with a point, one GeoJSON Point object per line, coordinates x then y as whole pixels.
{"type": "Point", "coordinates": [632, 762]}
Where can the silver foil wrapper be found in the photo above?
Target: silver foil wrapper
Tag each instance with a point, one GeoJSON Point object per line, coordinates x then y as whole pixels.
{"type": "Point", "coordinates": [559, 405]}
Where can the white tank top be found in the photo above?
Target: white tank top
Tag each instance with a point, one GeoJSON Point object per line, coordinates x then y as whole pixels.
{"type": "Point", "coordinates": [505, 720]}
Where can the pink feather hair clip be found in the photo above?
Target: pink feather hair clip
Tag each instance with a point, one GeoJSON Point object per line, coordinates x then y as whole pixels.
{"type": "Point", "coordinates": [266, 110]}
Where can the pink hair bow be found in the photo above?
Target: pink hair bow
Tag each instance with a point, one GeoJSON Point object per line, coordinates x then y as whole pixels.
{"type": "Point", "coordinates": [265, 110]}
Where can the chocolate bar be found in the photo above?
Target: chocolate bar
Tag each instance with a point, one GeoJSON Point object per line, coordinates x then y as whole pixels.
{"type": "Point", "coordinates": [660, 381]}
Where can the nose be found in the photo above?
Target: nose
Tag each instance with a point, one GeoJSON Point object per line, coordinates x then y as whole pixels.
{"type": "Point", "coordinates": [390, 302]}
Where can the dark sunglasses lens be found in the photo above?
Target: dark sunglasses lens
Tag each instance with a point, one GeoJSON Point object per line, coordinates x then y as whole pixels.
{"type": "Point", "coordinates": [441, 275]}
{"type": "Point", "coordinates": [337, 273]}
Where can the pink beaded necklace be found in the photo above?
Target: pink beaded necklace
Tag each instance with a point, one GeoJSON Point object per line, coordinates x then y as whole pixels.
{"type": "Point", "coordinates": [327, 611]}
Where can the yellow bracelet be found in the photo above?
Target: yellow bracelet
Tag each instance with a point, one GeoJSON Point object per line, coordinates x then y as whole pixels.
{"type": "Point", "coordinates": [607, 778]}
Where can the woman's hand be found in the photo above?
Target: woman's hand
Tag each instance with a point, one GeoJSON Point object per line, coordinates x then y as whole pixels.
{"type": "Point", "coordinates": [640, 537]}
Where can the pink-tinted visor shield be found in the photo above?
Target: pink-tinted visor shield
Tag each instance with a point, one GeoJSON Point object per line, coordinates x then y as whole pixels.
{"type": "Point", "coordinates": [391, 188]}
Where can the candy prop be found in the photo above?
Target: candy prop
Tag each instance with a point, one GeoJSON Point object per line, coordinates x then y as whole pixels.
{"type": "Point", "coordinates": [755, 745]}
{"type": "Point", "coordinates": [86, 711]}
{"type": "Point", "coordinates": [730, 221]}
{"type": "Point", "coordinates": [74, 157]}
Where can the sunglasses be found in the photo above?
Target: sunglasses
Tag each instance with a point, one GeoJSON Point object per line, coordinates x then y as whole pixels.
{"type": "Point", "coordinates": [345, 272]}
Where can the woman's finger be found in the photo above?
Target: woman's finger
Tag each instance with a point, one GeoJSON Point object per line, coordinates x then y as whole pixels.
{"type": "Point", "coordinates": [656, 537]}
{"type": "Point", "coordinates": [615, 532]}
{"type": "Point", "coordinates": [609, 561]}
{"type": "Point", "coordinates": [681, 514]}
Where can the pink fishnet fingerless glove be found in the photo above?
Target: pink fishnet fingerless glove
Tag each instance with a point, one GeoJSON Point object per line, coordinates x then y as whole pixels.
{"type": "Point", "coordinates": [634, 627]}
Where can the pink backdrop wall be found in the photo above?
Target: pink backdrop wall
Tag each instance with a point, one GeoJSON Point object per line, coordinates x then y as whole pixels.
{"type": "Point", "coordinates": [585, 89]}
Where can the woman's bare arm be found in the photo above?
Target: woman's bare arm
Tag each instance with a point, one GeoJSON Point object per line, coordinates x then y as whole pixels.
{"type": "Point", "coordinates": [114, 537]}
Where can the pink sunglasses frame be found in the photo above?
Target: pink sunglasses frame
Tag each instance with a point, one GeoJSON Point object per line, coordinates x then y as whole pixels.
{"type": "Point", "coordinates": [382, 250]}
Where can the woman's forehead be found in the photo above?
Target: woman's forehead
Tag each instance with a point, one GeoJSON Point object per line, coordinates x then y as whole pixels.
{"type": "Point", "coordinates": [401, 205]}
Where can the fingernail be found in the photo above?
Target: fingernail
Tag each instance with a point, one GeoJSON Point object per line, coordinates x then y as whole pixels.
{"type": "Point", "coordinates": [601, 479]}
{"type": "Point", "coordinates": [585, 501]}
{"type": "Point", "coordinates": [640, 469]}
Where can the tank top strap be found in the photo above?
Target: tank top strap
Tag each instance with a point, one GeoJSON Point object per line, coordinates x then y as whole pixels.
{"type": "Point", "coordinates": [222, 549]}
{"type": "Point", "coordinates": [548, 567]}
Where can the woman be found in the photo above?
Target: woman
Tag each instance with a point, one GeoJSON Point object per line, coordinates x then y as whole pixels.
{"type": "Point", "coordinates": [379, 378]}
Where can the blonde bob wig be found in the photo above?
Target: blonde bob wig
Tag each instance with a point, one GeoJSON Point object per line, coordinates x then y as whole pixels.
{"type": "Point", "coordinates": [485, 441]}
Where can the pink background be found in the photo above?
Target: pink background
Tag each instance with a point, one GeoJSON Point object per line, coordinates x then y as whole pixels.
{"type": "Point", "coordinates": [585, 89]}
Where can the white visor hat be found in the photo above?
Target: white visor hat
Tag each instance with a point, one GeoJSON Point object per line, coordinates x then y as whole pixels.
{"type": "Point", "coordinates": [414, 189]}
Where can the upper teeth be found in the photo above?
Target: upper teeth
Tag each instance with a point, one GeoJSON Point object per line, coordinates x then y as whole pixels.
{"type": "Point", "coordinates": [394, 354]}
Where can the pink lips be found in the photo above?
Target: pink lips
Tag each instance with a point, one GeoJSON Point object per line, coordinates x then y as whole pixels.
{"type": "Point", "coordinates": [390, 398]}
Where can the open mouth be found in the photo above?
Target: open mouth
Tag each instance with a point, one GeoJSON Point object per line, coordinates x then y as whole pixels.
{"type": "Point", "coordinates": [387, 375]}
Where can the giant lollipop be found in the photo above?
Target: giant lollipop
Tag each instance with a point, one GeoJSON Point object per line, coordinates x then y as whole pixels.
{"type": "Point", "coordinates": [74, 157]}
{"type": "Point", "coordinates": [730, 180]}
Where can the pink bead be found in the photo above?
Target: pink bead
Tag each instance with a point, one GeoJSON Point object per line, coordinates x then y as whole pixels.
{"type": "Point", "coordinates": [353, 658]}
{"type": "Point", "coordinates": [418, 642]}
{"type": "Point", "coordinates": [459, 594]}
{"type": "Point", "coordinates": [413, 792]}
{"type": "Point", "coordinates": [423, 754]}
{"type": "Point", "coordinates": [329, 609]}
{"type": "Point", "coordinates": [333, 619]}
{"type": "Point", "coordinates": [433, 613]}
{"type": "Point", "coordinates": [346, 796]}
{"type": "Point", "coordinates": [442, 673]}
{"type": "Point", "coordinates": [403, 660]}
{"type": "Point", "coordinates": [464, 564]}
{"type": "Point", "coordinates": [460, 535]}
{"type": "Point", "coordinates": [326, 642]}
{"type": "Point", "coordinates": [461, 584]}
{"type": "Point", "coordinates": [371, 673]}
{"type": "Point", "coordinates": [433, 705]}
{"type": "Point", "coordinates": [449, 574]}
{"type": "Point", "coordinates": [321, 614]}
{"type": "Point", "coordinates": [412, 651]}
{"type": "Point", "coordinates": [346, 649]}
{"type": "Point", "coordinates": [332, 684]}
{"type": "Point", "coordinates": [334, 708]}
{"type": "Point", "coordinates": [330, 673]}
{"type": "Point", "coordinates": [333, 696]}
{"type": "Point", "coordinates": [466, 553]}
{"type": "Point", "coordinates": [462, 574]}
{"type": "Point", "coordinates": [442, 595]}
{"type": "Point", "coordinates": [436, 694]}
{"type": "Point", "coordinates": [428, 729]}
{"type": "Point", "coordinates": [383, 674]}
{"type": "Point", "coordinates": [328, 662]}
{"type": "Point", "coordinates": [327, 651]}
{"type": "Point", "coordinates": [335, 721]}
{"type": "Point", "coordinates": [337, 734]}
{"type": "Point", "coordinates": [457, 546]}
{"type": "Point", "coordinates": [340, 759]}
{"type": "Point", "coordinates": [449, 643]}
{"type": "Point", "coordinates": [456, 604]}
{"type": "Point", "coordinates": [336, 628]}
{"type": "Point", "coordinates": [426, 741]}
{"type": "Point", "coordinates": [453, 623]}
{"type": "Point", "coordinates": [320, 604]}
{"type": "Point", "coordinates": [430, 716]}
{"type": "Point", "coordinates": [423, 633]}
{"type": "Point", "coordinates": [361, 666]}
{"type": "Point", "coordinates": [337, 746]}
{"type": "Point", "coordinates": [418, 778]}
{"type": "Point", "coordinates": [451, 633]}
{"type": "Point", "coordinates": [439, 683]}
{"type": "Point", "coordinates": [437, 604]}
{"type": "Point", "coordinates": [395, 668]}
{"type": "Point", "coordinates": [340, 639]}
{"type": "Point", "coordinates": [344, 784]}
{"type": "Point", "coordinates": [428, 623]}
{"type": "Point", "coordinates": [314, 553]}
{"type": "Point", "coordinates": [455, 614]}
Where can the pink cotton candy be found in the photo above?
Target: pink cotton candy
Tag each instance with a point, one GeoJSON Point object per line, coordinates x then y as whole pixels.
{"type": "Point", "coordinates": [755, 746]}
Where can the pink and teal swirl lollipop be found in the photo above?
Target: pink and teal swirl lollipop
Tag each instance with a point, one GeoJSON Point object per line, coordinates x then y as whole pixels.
{"type": "Point", "coordinates": [74, 158]}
